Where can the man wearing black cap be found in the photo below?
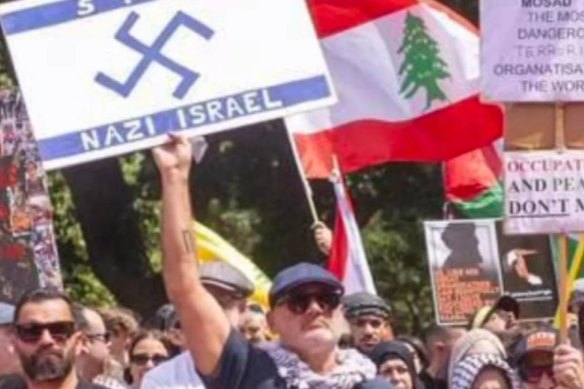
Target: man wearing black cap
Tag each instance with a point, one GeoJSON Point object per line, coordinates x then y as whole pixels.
{"type": "Point", "coordinates": [498, 318]}
{"type": "Point", "coordinates": [230, 288]}
{"type": "Point", "coordinates": [305, 302]}
{"type": "Point", "coordinates": [369, 319]}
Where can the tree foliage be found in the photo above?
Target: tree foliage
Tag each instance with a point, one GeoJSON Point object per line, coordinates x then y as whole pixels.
{"type": "Point", "coordinates": [248, 189]}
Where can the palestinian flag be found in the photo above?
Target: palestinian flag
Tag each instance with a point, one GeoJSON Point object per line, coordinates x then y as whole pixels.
{"type": "Point", "coordinates": [407, 74]}
{"type": "Point", "coordinates": [472, 184]}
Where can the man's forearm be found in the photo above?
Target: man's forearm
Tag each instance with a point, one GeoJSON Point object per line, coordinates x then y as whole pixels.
{"type": "Point", "coordinates": [178, 244]}
{"type": "Point", "coordinates": [204, 323]}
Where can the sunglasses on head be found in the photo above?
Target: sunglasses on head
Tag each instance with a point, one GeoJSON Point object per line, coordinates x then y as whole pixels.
{"type": "Point", "coordinates": [298, 302]}
{"type": "Point", "coordinates": [33, 332]}
{"type": "Point", "coordinates": [142, 359]}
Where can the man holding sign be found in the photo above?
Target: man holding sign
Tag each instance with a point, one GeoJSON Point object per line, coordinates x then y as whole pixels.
{"type": "Point", "coordinates": [304, 299]}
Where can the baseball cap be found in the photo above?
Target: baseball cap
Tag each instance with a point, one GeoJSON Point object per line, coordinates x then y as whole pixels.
{"type": "Point", "coordinates": [227, 277]}
{"type": "Point", "coordinates": [543, 339]}
{"type": "Point", "coordinates": [482, 315]}
{"type": "Point", "coordinates": [6, 313]}
{"type": "Point", "coordinates": [302, 274]}
{"type": "Point", "coordinates": [364, 303]}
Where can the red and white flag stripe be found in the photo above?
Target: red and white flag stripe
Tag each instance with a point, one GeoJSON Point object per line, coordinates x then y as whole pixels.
{"type": "Point", "coordinates": [367, 45]}
{"type": "Point", "coordinates": [347, 259]}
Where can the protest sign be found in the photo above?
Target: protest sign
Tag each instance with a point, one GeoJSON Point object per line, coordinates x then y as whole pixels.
{"type": "Point", "coordinates": [129, 71]}
{"type": "Point", "coordinates": [532, 50]}
{"type": "Point", "coordinates": [544, 192]}
{"type": "Point", "coordinates": [464, 267]}
{"type": "Point", "coordinates": [528, 273]}
{"type": "Point", "coordinates": [472, 263]}
{"type": "Point", "coordinates": [28, 253]}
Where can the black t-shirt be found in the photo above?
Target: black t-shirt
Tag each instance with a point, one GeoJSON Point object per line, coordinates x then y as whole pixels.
{"type": "Point", "coordinates": [244, 366]}
{"type": "Point", "coordinates": [14, 381]}
{"type": "Point", "coordinates": [431, 382]}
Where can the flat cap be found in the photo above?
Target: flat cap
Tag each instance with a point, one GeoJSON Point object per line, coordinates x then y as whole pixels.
{"type": "Point", "coordinates": [302, 274]}
{"type": "Point", "coordinates": [364, 303]}
{"type": "Point", "coordinates": [227, 277]}
{"type": "Point", "coordinates": [6, 313]}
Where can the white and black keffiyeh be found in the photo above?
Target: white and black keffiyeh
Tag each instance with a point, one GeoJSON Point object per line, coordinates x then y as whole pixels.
{"type": "Point", "coordinates": [466, 371]}
{"type": "Point", "coordinates": [353, 368]}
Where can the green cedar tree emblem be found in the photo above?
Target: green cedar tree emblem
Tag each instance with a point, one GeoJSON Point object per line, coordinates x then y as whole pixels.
{"type": "Point", "coordinates": [422, 64]}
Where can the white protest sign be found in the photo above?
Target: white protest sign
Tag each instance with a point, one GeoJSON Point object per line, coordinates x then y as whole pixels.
{"type": "Point", "coordinates": [532, 50]}
{"type": "Point", "coordinates": [105, 77]}
{"type": "Point", "coordinates": [544, 192]}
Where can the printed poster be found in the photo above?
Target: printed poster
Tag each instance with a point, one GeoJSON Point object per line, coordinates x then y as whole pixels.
{"type": "Point", "coordinates": [128, 72]}
{"type": "Point", "coordinates": [472, 263]}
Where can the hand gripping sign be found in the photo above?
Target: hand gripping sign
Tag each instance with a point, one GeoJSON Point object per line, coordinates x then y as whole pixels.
{"type": "Point", "coordinates": [106, 77]}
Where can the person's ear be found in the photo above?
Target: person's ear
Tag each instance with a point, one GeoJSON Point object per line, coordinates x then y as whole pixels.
{"type": "Point", "coordinates": [82, 343]}
{"type": "Point", "coordinates": [271, 322]}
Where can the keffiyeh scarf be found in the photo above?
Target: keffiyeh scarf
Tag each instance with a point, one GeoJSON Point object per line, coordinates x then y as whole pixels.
{"type": "Point", "coordinates": [353, 368]}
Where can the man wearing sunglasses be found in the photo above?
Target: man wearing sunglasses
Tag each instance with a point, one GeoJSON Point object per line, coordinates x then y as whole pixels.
{"type": "Point", "coordinates": [305, 309]}
{"type": "Point", "coordinates": [369, 319]}
{"type": "Point", "coordinates": [46, 340]}
{"type": "Point", "coordinates": [230, 288]}
{"type": "Point", "coordinates": [94, 352]}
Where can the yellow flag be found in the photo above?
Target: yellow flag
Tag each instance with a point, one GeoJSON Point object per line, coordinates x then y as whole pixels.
{"type": "Point", "coordinates": [211, 246]}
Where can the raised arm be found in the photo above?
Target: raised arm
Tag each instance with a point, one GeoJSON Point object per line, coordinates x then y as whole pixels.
{"type": "Point", "coordinates": [204, 324]}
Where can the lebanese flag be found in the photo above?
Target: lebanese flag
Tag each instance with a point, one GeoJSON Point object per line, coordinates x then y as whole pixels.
{"type": "Point", "coordinates": [406, 73]}
{"type": "Point", "coordinates": [347, 257]}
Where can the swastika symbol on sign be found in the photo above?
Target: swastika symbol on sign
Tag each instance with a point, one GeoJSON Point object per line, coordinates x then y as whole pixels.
{"type": "Point", "coordinates": [153, 54]}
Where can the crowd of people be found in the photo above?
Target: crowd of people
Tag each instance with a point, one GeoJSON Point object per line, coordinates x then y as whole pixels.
{"type": "Point", "coordinates": [312, 335]}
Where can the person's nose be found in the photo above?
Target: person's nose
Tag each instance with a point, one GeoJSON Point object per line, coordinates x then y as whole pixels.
{"type": "Point", "coordinates": [368, 328]}
{"type": "Point", "coordinates": [46, 338]}
{"type": "Point", "coordinates": [149, 364]}
{"type": "Point", "coordinates": [314, 308]}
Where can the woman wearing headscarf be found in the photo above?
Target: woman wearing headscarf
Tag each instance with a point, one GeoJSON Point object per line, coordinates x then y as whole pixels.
{"type": "Point", "coordinates": [477, 341]}
{"type": "Point", "coordinates": [395, 363]}
{"type": "Point", "coordinates": [480, 371]}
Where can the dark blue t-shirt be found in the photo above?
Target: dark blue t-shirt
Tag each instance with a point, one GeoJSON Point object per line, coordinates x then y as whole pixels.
{"type": "Point", "coordinates": [243, 366]}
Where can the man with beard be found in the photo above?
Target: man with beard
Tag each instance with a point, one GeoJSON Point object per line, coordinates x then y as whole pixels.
{"type": "Point", "coordinates": [46, 340]}
{"type": "Point", "coordinates": [305, 302]}
{"type": "Point", "coordinates": [369, 319]}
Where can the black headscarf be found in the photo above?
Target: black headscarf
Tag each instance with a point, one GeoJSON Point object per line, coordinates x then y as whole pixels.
{"type": "Point", "coordinates": [392, 350]}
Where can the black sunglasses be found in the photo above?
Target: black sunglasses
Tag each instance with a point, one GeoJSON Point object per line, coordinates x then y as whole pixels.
{"type": "Point", "coordinates": [33, 332]}
{"type": "Point", "coordinates": [142, 359]}
{"type": "Point", "coordinates": [299, 302]}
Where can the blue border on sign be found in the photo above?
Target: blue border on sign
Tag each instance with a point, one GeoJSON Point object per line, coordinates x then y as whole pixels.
{"type": "Point", "coordinates": [47, 15]}
{"type": "Point", "coordinates": [190, 116]}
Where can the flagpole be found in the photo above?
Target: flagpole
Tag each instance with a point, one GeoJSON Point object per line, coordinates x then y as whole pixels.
{"type": "Point", "coordinates": [305, 184]}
